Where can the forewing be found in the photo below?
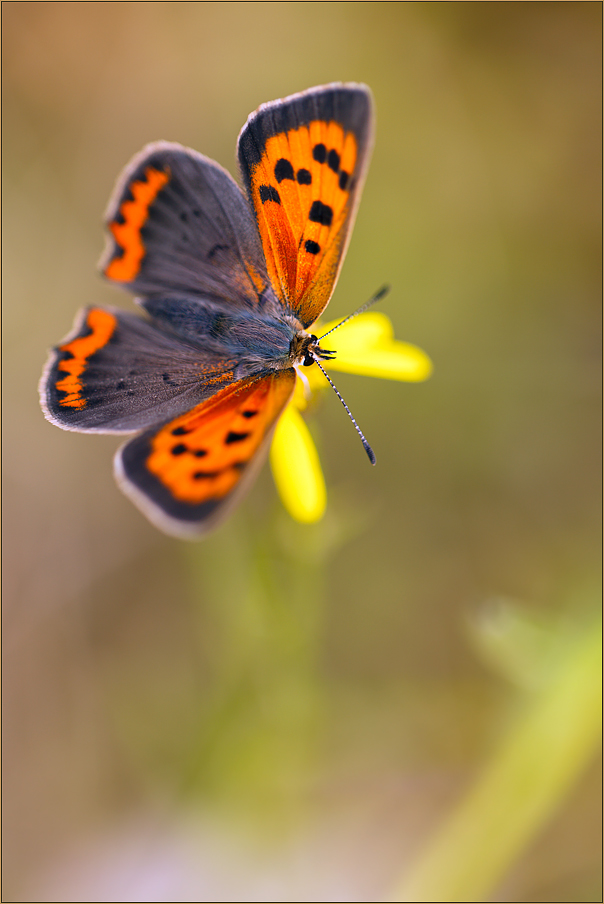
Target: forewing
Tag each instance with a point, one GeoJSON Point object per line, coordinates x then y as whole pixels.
{"type": "Point", "coordinates": [303, 161]}
{"type": "Point", "coordinates": [117, 373]}
{"type": "Point", "coordinates": [178, 222]}
{"type": "Point", "coordinates": [185, 476]}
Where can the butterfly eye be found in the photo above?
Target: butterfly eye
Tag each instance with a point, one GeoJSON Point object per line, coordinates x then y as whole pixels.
{"type": "Point", "coordinates": [308, 360]}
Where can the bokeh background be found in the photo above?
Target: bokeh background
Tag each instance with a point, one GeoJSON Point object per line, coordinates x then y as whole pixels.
{"type": "Point", "coordinates": [284, 712]}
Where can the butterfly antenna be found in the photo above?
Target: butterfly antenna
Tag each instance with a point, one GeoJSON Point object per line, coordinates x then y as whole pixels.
{"type": "Point", "coordinates": [373, 300]}
{"type": "Point", "coordinates": [366, 446]}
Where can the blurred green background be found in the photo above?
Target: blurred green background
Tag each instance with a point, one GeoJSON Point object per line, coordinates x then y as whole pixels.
{"type": "Point", "coordinates": [283, 712]}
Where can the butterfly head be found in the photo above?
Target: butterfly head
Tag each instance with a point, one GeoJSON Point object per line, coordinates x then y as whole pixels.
{"type": "Point", "coordinates": [305, 349]}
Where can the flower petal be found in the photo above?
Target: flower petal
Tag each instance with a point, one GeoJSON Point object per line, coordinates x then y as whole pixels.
{"type": "Point", "coordinates": [366, 345]}
{"type": "Point", "coordinates": [296, 469]}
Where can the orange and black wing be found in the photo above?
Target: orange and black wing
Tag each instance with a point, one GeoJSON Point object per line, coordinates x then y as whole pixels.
{"type": "Point", "coordinates": [177, 224]}
{"type": "Point", "coordinates": [117, 373]}
{"type": "Point", "coordinates": [303, 161]}
{"type": "Point", "coordinates": [186, 474]}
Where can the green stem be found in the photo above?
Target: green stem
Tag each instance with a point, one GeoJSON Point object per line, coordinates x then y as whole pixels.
{"type": "Point", "coordinates": [256, 734]}
{"type": "Point", "coordinates": [544, 753]}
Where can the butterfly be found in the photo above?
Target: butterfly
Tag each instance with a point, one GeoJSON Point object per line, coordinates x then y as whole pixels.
{"type": "Point", "coordinates": [231, 282]}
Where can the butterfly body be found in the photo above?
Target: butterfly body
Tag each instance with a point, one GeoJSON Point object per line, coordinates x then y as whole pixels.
{"type": "Point", "coordinates": [258, 340]}
{"type": "Point", "coordinates": [231, 282]}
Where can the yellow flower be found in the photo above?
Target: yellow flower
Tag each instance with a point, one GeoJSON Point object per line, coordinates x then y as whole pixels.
{"type": "Point", "coordinates": [364, 345]}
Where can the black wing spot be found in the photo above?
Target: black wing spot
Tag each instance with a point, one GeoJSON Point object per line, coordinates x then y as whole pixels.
{"type": "Point", "coordinates": [321, 213]}
{"type": "Point", "coordinates": [249, 413]}
{"type": "Point", "coordinates": [215, 248]}
{"type": "Point", "coordinates": [199, 453]}
{"type": "Point", "coordinates": [283, 170]}
{"type": "Point", "coordinates": [178, 449]}
{"type": "Point", "coordinates": [319, 153]}
{"type": "Point", "coordinates": [333, 161]}
{"type": "Point", "coordinates": [304, 177]}
{"type": "Point", "coordinates": [343, 181]}
{"type": "Point", "coordinates": [180, 431]}
{"type": "Point", "coordinates": [312, 247]}
{"type": "Point", "coordinates": [200, 475]}
{"type": "Point", "coordinates": [268, 193]}
{"type": "Point", "coordinates": [233, 437]}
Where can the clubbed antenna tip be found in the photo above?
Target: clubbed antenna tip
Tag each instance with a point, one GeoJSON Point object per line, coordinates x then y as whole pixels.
{"type": "Point", "coordinates": [366, 446]}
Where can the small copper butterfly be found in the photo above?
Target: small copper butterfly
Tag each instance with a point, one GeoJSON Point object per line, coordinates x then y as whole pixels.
{"type": "Point", "coordinates": [231, 281]}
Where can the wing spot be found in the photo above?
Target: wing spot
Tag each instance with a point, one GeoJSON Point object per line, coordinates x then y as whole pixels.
{"type": "Point", "coordinates": [312, 247]}
{"type": "Point", "coordinates": [178, 449]}
{"type": "Point", "coordinates": [321, 213]}
{"type": "Point", "coordinates": [180, 431]}
{"type": "Point", "coordinates": [215, 248]}
{"type": "Point", "coordinates": [199, 453]}
{"type": "Point", "coordinates": [319, 153]}
{"type": "Point", "coordinates": [249, 413]}
{"type": "Point", "coordinates": [210, 475]}
{"type": "Point", "coordinates": [268, 193]}
{"type": "Point", "coordinates": [333, 161]}
{"type": "Point", "coordinates": [233, 437]}
{"type": "Point", "coordinates": [304, 177]}
{"type": "Point", "coordinates": [343, 181]}
{"type": "Point", "coordinates": [283, 170]}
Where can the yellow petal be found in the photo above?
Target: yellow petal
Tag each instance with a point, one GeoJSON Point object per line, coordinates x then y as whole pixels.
{"type": "Point", "coordinates": [296, 469]}
{"type": "Point", "coordinates": [366, 345]}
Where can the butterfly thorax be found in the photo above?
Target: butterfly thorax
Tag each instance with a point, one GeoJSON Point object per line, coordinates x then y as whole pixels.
{"type": "Point", "coordinates": [259, 341]}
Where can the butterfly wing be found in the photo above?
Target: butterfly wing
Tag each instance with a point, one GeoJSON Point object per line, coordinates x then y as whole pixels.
{"type": "Point", "coordinates": [179, 223]}
{"type": "Point", "coordinates": [303, 161]}
{"type": "Point", "coordinates": [187, 474]}
{"type": "Point", "coordinates": [117, 373]}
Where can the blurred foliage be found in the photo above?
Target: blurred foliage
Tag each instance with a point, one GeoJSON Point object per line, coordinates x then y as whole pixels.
{"type": "Point", "coordinates": [301, 711]}
{"type": "Point", "coordinates": [550, 741]}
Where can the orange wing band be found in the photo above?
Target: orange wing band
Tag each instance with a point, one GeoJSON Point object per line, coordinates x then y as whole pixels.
{"type": "Point", "coordinates": [102, 325]}
{"type": "Point", "coordinates": [128, 234]}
